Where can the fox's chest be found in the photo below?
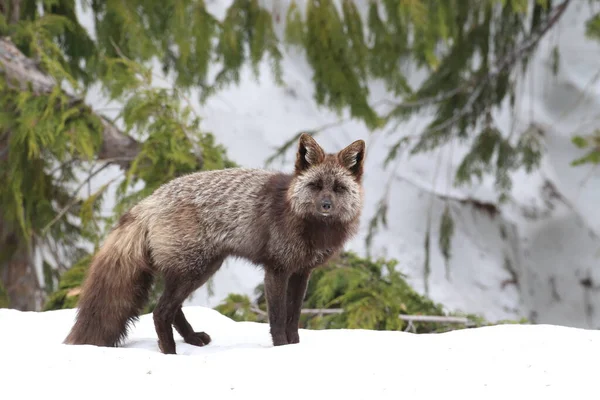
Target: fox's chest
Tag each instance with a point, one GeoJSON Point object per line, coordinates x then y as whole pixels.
{"type": "Point", "coordinates": [307, 246]}
{"type": "Point", "coordinates": [299, 256]}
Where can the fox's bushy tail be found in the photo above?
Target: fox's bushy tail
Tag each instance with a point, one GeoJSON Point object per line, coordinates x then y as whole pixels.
{"type": "Point", "coordinates": [116, 287]}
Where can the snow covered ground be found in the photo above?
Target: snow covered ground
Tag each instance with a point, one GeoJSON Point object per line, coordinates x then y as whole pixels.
{"type": "Point", "coordinates": [549, 243]}
{"type": "Point", "coordinates": [493, 362]}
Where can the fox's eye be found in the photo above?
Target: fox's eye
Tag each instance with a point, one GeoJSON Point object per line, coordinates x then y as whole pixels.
{"type": "Point", "coordinates": [338, 188]}
{"type": "Point", "coordinates": [316, 185]}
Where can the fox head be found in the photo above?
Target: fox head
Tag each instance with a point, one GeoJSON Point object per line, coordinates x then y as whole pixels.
{"type": "Point", "coordinates": [327, 186]}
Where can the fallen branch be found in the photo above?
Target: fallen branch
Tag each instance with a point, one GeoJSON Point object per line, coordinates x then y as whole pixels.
{"type": "Point", "coordinates": [440, 319]}
{"type": "Point", "coordinates": [322, 311]}
{"type": "Point", "coordinates": [258, 311]}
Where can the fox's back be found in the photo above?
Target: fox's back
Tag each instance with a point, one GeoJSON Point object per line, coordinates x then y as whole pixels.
{"type": "Point", "coordinates": [231, 191]}
{"type": "Point", "coordinates": [206, 214]}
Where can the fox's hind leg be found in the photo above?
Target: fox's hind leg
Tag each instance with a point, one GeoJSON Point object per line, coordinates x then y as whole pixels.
{"type": "Point", "coordinates": [176, 291]}
{"type": "Point", "coordinates": [186, 331]}
{"type": "Point", "coordinates": [178, 286]}
{"type": "Point", "coordinates": [181, 324]}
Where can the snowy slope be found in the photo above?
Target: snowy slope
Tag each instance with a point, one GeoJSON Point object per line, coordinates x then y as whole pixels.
{"type": "Point", "coordinates": [539, 239]}
{"type": "Point", "coordinates": [492, 363]}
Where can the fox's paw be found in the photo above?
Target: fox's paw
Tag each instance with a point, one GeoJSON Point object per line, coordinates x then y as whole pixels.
{"type": "Point", "coordinates": [167, 348]}
{"type": "Point", "coordinates": [198, 339]}
{"type": "Point", "coordinates": [279, 340]}
{"type": "Point", "coordinates": [293, 337]}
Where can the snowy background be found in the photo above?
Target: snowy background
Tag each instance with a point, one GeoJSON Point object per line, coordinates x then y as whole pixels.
{"type": "Point", "coordinates": [545, 240]}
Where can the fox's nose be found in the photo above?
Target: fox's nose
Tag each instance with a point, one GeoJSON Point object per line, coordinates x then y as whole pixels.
{"type": "Point", "coordinates": [326, 204]}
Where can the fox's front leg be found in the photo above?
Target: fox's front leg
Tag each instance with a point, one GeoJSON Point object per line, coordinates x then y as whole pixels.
{"type": "Point", "coordinates": [296, 291]}
{"type": "Point", "coordinates": [276, 283]}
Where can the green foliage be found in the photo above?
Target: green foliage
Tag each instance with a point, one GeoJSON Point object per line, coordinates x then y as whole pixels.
{"type": "Point", "coordinates": [186, 38]}
{"type": "Point", "coordinates": [489, 144]}
{"type": "Point", "coordinates": [446, 232]}
{"type": "Point", "coordinates": [239, 308]}
{"type": "Point", "coordinates": [40, 135]}
{"type": "Point", "coordinates": [64, 296]}
{"type": "Point", "coordinates": [370, 294]}
{"type": "Point", "coordinates": [246, 22]}
{"type": "Point", "coordinates": [164, 120]}
{"type": "Point", "coordinates": [3, 297]}
{"type": "Point", "coordinates": [67, 293]}
{"type": "Point", "coordinates": [469, 50]}
{"type": "Point", "coordinates": [592, 27]}
{"type": "Point", "coordinates": [336, 51]}
{"type": "Point", "coordinates": [590, 142]}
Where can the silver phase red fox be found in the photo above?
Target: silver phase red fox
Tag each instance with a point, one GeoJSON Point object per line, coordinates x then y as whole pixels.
{"type": "Point", "coordinates": [288, 224]}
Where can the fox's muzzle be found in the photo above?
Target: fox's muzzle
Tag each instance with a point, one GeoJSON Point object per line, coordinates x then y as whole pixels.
{"type": "Point", "coordinates": [325, 206]}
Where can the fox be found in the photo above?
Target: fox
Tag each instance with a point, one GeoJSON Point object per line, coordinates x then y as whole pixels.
{"type": "Point", "coordinates": [286, 223]}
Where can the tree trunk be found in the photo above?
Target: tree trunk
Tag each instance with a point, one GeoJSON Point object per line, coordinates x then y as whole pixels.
{"type": "Point", "coordinates": [20, 282]}
{"type": "Point", "coordinates": [17, 273]}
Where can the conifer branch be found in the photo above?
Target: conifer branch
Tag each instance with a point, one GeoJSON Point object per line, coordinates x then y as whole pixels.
{"type": "Point", "coordinates": [22, 73]}
{"type": "Point", "coordinates": [477, 85]}
{"type": "Point", "coordinates": [280, 151]}
{"type": "Point", "coordinates": [508, 62]}
{"type": "Point", "coordinates": [486, 207]}
{"type": "Point", "coordinates": [426, 101]}
{"type": "Point", "coordinates": [75, 200]}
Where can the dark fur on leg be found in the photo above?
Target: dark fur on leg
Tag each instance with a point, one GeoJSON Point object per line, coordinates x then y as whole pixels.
{"type": "Point", "coordinates": [168, 311]}
{"type": "Point", "coordinates": [175, 292]}
{"type": "Point", "coordinates": [275, 291]}
{"type": "Point", "coordinates": [296, 291]}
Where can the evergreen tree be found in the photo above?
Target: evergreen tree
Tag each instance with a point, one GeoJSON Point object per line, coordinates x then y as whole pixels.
{"type": "Point", "coordinates": [471, 50]}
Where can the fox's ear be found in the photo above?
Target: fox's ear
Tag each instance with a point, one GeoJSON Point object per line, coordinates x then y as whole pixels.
{"type": "Point", "coordinates": [309, 153]}
{"type": "Point", "coordinates": [353, 157]}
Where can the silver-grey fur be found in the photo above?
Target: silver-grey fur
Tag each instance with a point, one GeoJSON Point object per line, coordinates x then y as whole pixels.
{"type": "Point", "coordinates": [287, 223]}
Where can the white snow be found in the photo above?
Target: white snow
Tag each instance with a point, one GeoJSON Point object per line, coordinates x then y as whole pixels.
{"type": "Point", "coordinates": [549, 252]}
{"type": "Point", "coordinates": [510, 361]}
